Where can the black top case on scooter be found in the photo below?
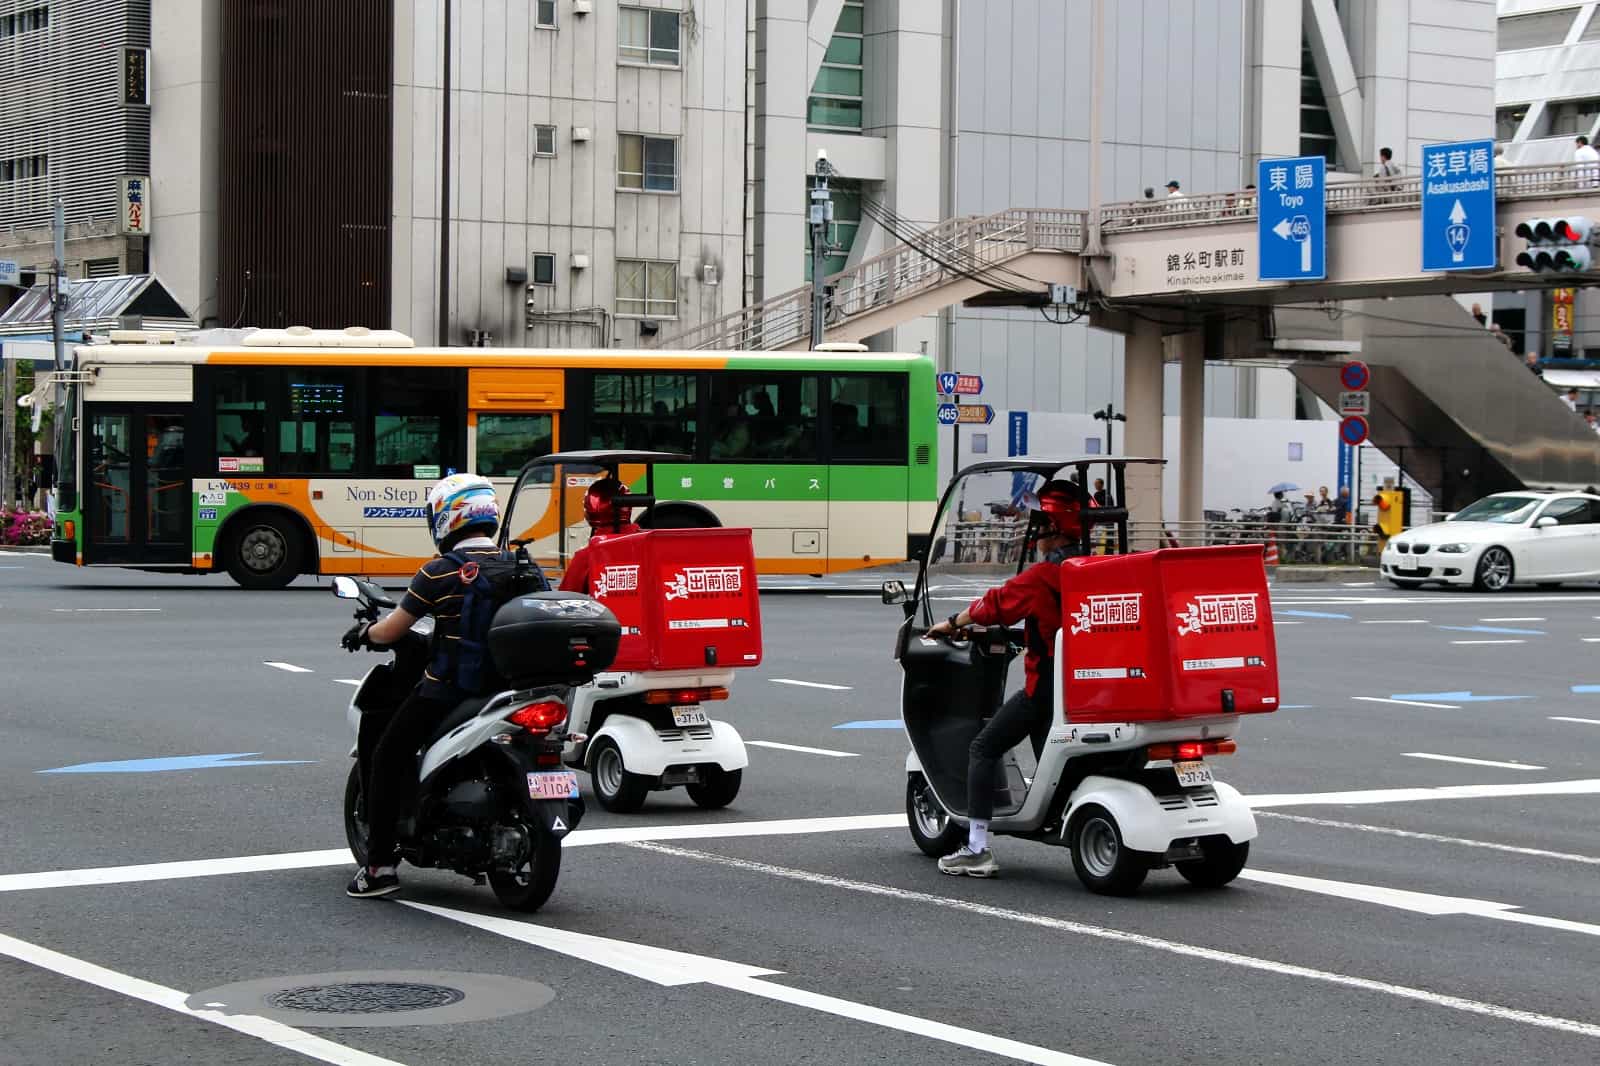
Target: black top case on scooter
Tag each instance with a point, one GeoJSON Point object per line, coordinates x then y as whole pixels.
{"type": "Point", "coordinates": [553, 638]}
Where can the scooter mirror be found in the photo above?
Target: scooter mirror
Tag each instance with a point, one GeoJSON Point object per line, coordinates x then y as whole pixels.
{"type": "Point", "coordinates": [894, 592]}
{"type": "Point", "coordinates": [346, 589]}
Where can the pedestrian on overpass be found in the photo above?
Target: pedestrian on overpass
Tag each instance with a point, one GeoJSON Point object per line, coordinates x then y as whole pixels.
{"type": "Point", "coordinates": [1387, 168]}
{"type": "Point", "coordinates": [1589, 159]}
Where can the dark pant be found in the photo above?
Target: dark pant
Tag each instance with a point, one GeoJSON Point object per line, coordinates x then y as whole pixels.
{"type": "Point", "coordinates": [391, 777]}
{"type": "Point", "coordinates": [1013, 723]}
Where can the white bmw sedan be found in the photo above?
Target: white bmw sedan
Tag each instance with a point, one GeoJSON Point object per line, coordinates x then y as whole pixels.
{"type": "Point", "coordinates": [1541, 538]}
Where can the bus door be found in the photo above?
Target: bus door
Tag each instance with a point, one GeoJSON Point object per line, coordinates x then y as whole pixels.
{"type": "Point", "coordinates": [135, 489]}
{"type": "Point", "coordinates": [514, 416]}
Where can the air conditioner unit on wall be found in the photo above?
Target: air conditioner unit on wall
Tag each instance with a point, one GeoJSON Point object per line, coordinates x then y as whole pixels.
{"type": "Point", "coordinates": [582, 7]}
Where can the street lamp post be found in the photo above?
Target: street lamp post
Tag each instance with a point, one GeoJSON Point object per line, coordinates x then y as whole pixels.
{"type": "Point", "coordinates": [1108, 415]}
{"type": "Point", "coordinates": [821, 215]}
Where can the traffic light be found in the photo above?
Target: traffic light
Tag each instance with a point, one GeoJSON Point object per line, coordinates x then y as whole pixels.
{"type": "Point", "coordinates": [1557, 245]}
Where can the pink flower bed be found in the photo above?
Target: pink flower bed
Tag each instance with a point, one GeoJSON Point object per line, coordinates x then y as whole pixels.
{"type": "Point", "coordinates": [24, 527]}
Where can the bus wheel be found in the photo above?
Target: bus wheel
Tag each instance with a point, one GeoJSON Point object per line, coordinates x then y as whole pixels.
{"type": "Point", "coordinates": [263, 552]}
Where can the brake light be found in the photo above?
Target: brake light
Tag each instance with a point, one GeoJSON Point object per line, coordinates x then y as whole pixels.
{"type": "Point", "coordinates": [539, 717]}
{"type": "Point", "coordinates": [1189, 749]}
{"type": "Point", "coordinates": [679, 697]}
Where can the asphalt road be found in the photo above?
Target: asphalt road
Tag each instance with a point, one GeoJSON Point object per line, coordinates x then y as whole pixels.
{"type": "Point", "coordinates": [1388, 914]}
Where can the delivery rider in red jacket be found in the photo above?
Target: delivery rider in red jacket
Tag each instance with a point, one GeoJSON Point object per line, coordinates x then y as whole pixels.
{"type": "Point", "coordinates": [606, 519]}
{"type": "Point", "coordinates": [1033, 598]}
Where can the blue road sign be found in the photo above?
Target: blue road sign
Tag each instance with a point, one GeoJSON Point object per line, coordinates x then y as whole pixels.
{"type": "Point", "coordinates": [947, 384]}
{"type": "Point", "coordinates": [1017, 440]}
{"type": "Point", "coordinates": [1353, 430]}
{"type": "Point", "coordinates": [1354, 375]}
{"type": "Point", "coordinates": [1292, 223]}
{"type": "Point", "coordinates": [949, 414]}
{"type": "Point", "coordinates": [1347, 468]}
{"type": "Point", "coordinates": [1458, 206]}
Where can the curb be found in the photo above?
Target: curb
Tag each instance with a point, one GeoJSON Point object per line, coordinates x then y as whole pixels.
{"type": "Point", "coordinates": [25, 549]}
{"type": "Point", "coordinates": [1310, 575]}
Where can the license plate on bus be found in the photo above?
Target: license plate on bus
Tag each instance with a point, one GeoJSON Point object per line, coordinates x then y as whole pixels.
{"type": "Point", "coordinates": [553, 785]}
{"type": "Point", "coordinates": [682, 716]}
{"type": "Point", "coordinates": [1192, 774]}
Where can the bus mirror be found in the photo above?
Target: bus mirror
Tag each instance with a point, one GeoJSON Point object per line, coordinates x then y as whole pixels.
{"type": "Point", "coordinates": [894, 592]}
{"type": "Point", "coordinates": [345, 588]}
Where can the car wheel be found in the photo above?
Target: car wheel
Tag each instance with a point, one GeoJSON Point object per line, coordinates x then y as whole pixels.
{"type": "Point", "coordinates": [1495, 570]}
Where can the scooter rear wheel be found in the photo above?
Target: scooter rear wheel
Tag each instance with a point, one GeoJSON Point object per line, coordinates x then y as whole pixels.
{"type": "Point", "coordinates": [530, 887]}
{"type": "Point", "coordinates": [1220, 862]}
{"type": "Point", "coordinates": [718, 788]}
{"type": "Point", "coordinates": [935, 832]}
{"type": "Point", "coordinates": [1104, 863]}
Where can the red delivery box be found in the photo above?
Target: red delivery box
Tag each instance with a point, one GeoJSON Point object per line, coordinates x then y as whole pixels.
{"type": "Point", "coordinates": [687, 598]}
{"type": "Point", "coordinates": [1168, 634]}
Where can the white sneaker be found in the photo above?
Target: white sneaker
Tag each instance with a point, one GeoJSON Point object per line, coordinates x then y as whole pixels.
{"type": "Point", "coordinates": [967, 863]}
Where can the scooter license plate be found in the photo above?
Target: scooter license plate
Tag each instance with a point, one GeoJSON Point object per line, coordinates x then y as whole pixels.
{"type": "Point", "coordinates": [553, 785]}
{"type": "Point", "coordinates": [682, 716]}
{"type": "Point", "coordinates": [1192, 774]}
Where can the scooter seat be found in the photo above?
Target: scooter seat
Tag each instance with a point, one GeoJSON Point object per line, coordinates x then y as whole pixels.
{"type": "Point", "coordinates": [465, 711]}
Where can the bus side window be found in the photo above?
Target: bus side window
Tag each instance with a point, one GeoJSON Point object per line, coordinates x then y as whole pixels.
{"type": "Point", "coordinates": [506, 442]}
{"type": "Point", "coordinates": [867, 421]}
{"type": "Point", "coordinates": [241, 411]}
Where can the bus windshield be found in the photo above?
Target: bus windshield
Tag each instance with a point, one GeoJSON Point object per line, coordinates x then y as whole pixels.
{"type": "Point", "coordinates": [66, 447]}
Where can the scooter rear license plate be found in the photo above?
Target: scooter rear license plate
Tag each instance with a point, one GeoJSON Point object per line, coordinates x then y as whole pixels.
{"type": "Point", "coordinates": [553, 785]}
{"type": "Point", "coordinates": [689, 715]}
{"type": "Point", "coordinates": [1192, 774]}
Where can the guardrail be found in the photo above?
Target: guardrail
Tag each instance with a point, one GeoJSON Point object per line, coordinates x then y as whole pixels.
{"type": "Point", "coordinates": [1368, 194]}
{"type": "Point", "coordinates": [958, 247]}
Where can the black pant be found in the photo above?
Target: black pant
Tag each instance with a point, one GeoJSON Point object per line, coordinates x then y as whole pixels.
{"type": "Point", "coordinates": [1014, 722]}
{"type": "Point", "coordinates": [391, 777]}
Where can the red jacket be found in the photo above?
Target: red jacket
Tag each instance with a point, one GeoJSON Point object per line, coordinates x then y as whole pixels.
{"type": "Point", "coordinates": [1033, 597]}
{"type": "Point", "coordinates": [576, 579]}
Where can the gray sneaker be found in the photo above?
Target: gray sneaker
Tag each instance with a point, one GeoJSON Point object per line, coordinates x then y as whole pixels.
{"type": "Point", "coordinates": [966, 863]}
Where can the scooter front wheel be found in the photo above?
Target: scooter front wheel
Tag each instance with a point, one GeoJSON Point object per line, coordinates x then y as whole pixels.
{"type": "Point", "coordinates": [1104, 863]}
{"type": "Point", "coordinates": [618, 789]}
{"type": "Point", "coordinates": [935, 832]}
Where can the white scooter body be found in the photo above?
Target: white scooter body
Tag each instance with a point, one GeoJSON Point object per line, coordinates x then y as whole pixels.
{"type": "Point", "coordinates": [466, 737]}
{"type": "Point", "coordinates": [1148, 822]}
{"type": "Point", "coordinates": [645, 749]}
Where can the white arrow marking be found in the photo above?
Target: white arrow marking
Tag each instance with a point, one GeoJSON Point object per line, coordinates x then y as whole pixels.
{"type": "Point", "coordinates": [672, 968]}
{"type": "Point", "coordinates": [1458, 214]}
{"type": "Point", "coordinates": [1282, 229]}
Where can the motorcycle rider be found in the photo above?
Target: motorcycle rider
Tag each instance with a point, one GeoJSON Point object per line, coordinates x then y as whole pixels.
{"type": "Point", "coordinates": [1034, 598]}
{"type": "Point", "coordinates": [606, 519]}
{"type": "Point", "coordinates": [463, 516]}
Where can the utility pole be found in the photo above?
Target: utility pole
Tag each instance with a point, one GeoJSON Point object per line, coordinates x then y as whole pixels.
{"type": "Point", "coordinates": [821, 216]}
{"type": "Point", "coordinates": [1097, 61]}
{"type": "Point", "coordinates": [58, 314]}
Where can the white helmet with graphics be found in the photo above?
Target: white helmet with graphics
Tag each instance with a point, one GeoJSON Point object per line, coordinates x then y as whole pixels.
{"type": "Point", "coordinates": [461, 502]}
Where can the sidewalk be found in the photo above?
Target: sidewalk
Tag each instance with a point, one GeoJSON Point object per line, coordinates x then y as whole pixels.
{"type": "Point", "coordinates": [24, 549]}
{"type": "Point", "coordinates": [1310, 574]}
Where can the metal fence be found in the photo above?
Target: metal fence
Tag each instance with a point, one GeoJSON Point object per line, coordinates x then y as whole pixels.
{"type": "Point", "coordinates": [999, 541]}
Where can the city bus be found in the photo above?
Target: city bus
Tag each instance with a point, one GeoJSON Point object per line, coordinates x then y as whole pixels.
{"type": "Point", "coordinates": [289, 452]}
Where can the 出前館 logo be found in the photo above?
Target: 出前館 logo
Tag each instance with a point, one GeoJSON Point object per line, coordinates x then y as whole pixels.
{"type": "Point", "coordinates": [705, 581]}
{"type": "Point", "coordinates": [1224, 613]}
{"type": "Point", "coordinates": [615, 579]}
{"type": "Point", "coordinates": [1117, 612]}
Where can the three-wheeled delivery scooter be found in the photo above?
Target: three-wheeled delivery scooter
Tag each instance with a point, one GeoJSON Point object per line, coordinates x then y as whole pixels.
{"type": "Point", "coordinates": [684, 590]}
{"type": "Point", "coordinates": [1159, 655]}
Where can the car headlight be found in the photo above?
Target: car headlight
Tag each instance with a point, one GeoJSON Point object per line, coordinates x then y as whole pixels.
{"type": "Point", "coordinates": [1454, 549]}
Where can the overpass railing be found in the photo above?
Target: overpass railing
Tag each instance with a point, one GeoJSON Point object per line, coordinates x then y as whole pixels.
{"type": "Point", "coordinates": [1368, 194]}
{"type": "Point", "coordinates": [966, 247]}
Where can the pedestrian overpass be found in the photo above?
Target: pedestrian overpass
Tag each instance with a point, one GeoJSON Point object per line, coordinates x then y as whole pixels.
{"type": "Point", "coordinates": [1179, 278]}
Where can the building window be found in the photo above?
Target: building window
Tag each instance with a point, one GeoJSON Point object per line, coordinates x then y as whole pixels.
{"type": "Point", "coordinates": [1316, 122]}
{"type": "Point", "coordinates": [835, 102]}
{"type": "Point", "coordinates": [108, 267]}
{"type": "Point", "coordinates": [544, 268]}
{"type": "Point", "coordinates": [24, 168]}
{"type": "Point", "coordinates": [1507, 119]}
{"type": "Point", "coordinates": [545, 14]}
{"type": "Point", "coordinates": [1570, 117]}
{"type": "Point", "coordinates": [544, 140]}
{"type": "Point", "coordinates": [647, 289]}
{"type": "Point", "coordinates": [637, 409]}
{"type": "Point", "coordinates": [846, 223]}
{"type": "Point", "coordinates": [1540, 30]}
{"type": "Point", "coordinates": [34, 18]}
{"type": "Point", "coordinates": [648, 37]}
{"type": "Point", "coordinates": [648, 163]}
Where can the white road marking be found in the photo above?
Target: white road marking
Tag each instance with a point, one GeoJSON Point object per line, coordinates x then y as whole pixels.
{"type": "Point", "coordinates": [1171, 947]}
{"type": "Point", "coordinates": [105, 610]}
{"type": "Point", "coordinates": [1470, 762]}
{"type": "Point", "coordinates": [1583, 787]}
{"type": "Point", "coordinates": [290, 667]}
{"type": "Point", "coordinates": [1408, 703]}
{"type": "Point", "coordinates": [1488, 642]}
{"type": "Point", "coordinates": [1408, 834]}
{"type": "Point", "coordinates": [1518, 619]}
{"type": "Point", "coordinates": [664, 966]}
{"type": "Point", "coordinates": [275, 1033]}
{"type": "Point", "coordinates": [1395, 622]}
{"type": "Point", "coordinates": [809, 684]}
{"type": "Point", "coordinates": [347, 681]}
{"type": "Point", "coordinates": [1278, 624]}
{"type": "Point", "coordinates": [1590, 640]}
{"type": "Point", "coordinates": [1580, 721]}
{"type": "Point", "coordinates": [801, 748]}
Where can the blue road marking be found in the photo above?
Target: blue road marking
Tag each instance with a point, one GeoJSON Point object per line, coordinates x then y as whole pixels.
{"type": "Point", "coordinates": [1586, 688]}
{"type": "Point", "coordinates": [1310, 614]}
{"type": "Point", "coordinates": [1453, 697]}
{"type": "Point", "coordinates": [879, 723]}
{"type": "Point", "coordinates": [1496, 629]}
{"type": "Point", "coordinates": [177, 762]}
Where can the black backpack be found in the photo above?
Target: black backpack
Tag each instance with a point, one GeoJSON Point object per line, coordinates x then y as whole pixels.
{"type": "Point", "coordinates": [486, 583]}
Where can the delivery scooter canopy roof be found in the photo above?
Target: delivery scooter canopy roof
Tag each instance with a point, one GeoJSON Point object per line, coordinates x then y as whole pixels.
{"type": "Point", "coordinates": [1047, 465]}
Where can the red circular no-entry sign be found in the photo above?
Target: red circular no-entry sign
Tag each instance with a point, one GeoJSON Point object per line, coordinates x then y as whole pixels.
{"type": "Point", "coordinates": [1354, 375]}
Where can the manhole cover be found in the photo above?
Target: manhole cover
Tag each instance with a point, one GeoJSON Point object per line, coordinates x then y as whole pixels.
{"type": "Point", "coordinates": [366, 997]}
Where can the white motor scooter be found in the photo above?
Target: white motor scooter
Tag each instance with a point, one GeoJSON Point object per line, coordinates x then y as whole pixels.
{"type": "Point", "coordinates": [1142, 695]}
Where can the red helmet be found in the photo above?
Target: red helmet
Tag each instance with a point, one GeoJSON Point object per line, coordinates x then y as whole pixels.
{"type": "Point", "coordinates": [600, 509]}
{"type": "Point", "coordinates": [1061, 502]}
